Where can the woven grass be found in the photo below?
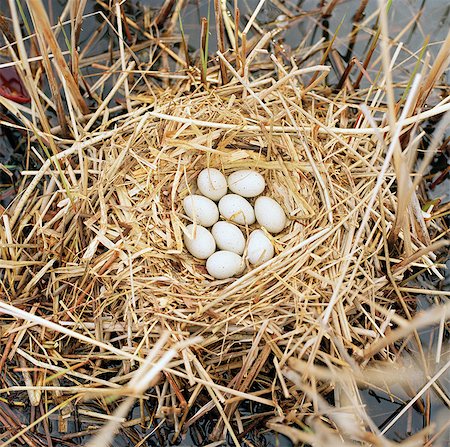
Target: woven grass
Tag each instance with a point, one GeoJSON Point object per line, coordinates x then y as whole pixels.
{"type": "Point", "coordinates": [104, 304]}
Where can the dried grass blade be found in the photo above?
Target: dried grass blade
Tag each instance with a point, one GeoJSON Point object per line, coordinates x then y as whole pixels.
{"type": "Point", "coordinates": [43, 28]}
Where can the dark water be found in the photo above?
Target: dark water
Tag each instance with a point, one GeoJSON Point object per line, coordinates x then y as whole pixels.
{"type": "Point", "coordinates": [434, 21]}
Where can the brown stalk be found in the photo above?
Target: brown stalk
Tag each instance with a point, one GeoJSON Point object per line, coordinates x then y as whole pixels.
{"type": "Point", "coordinates": [76, 21]}
{"type": "Point", "coordinates": [367, 59]}
{"type": "Point", "coordinates": [355, 29]}
{"type": "Point", "coordinates": [46, 426]}
{"type": "Point", "coordinates": [360, 11]}
{"type": "Point", "coordinates": [125, 25]}
{"type": "Point", "coordinates": [237, 14]}
{"type": "Point", "coordinates": [243, 52]}
{"type": "Point", "coordinates": [176, 389]}
{"type": "Point", "coordinates": [6, 350]}
{"type": "Point", "coordinates": [330, 7]}
{"type": "Point", "coordinates": [344, 73]}
{"type": "Point", "coordinates": [220, 32]}
{"type": "Point", "coordinates": [185, 49]}
{"type": "Point", "coordinates": [164, 13]}
{"type": "Point", "coordinates": [54, 88]}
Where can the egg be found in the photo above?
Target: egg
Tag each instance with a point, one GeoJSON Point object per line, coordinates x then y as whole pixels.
{"type": "Point", "coordinates": [228, 237]}
{"type": "Point", "coordinates": [259, 249]}
{"type": "Point", "coordinates": [269, 214]}
{"type": "Point", "coordinates": [246, 183]}
{"type": "Point", "coordinates": [224, 264]}
{"type": "Point", "coordinates": [212, 184]}
{"type": "Point", "coordinates": [237, 209]}
{"type": "Point", "coordinates": [201, 210]}
{"type": "Point", "coordinates": [199, 241]}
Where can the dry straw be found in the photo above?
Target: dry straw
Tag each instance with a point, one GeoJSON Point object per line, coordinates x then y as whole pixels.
{"type": "Point", "coordinates": [100, 300]}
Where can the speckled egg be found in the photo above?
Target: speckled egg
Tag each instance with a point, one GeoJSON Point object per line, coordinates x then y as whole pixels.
{"type": "Point", "coordinates": [212, 184]}
{"type": "Point", "coordinates": [237, 209]}
{"type": "Point", "coordinates": [269, 214]}
{"type": "Point", "coordinates": [260, 248]}
{"type": "Point", "coordinates": [246, 183]}
{"type": "Point", "coordinates": [201, 210]}
{"type": "Point", "coordinates": [228, 237]}
{"type": "Point", "coordinates": [224, 264]}
{"type": "Point", "coordinates": [199, 241]}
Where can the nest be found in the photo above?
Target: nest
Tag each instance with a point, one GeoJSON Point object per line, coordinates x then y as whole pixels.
{"type": "Point", "coordinates": [93, 252]}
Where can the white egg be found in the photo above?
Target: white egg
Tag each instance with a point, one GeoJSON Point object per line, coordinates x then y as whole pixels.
{"type": "Point", "coordinates": [201, 210]}
{"type": "Point", "coordinates": [259, 249]}
{"type": "Point", "coordinates": [246, 183]}
{"type": "Point", "coordinates": [237, 209]}
{"type": "Point", "coordinates": [199, 241]}
{"type": "Point", "coordinates": [269, 214]}
{"type": "Point", "coordinates": [224, 264]}
{"type": "Point", "coordinates": [212, 183]}
{"type": "Point", "coordinates": [228, 237]}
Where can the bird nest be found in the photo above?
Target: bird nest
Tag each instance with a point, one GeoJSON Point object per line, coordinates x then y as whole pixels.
{"type": "Point", "coordinates": [93, 254]}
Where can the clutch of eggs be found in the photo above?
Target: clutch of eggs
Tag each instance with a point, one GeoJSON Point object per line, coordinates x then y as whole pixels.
{"type": "Point", "coordinates": [214, 202]}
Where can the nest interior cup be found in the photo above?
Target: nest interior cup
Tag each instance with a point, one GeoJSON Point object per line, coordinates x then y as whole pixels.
{"type": "Point", "coordinates": [120, 235]}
